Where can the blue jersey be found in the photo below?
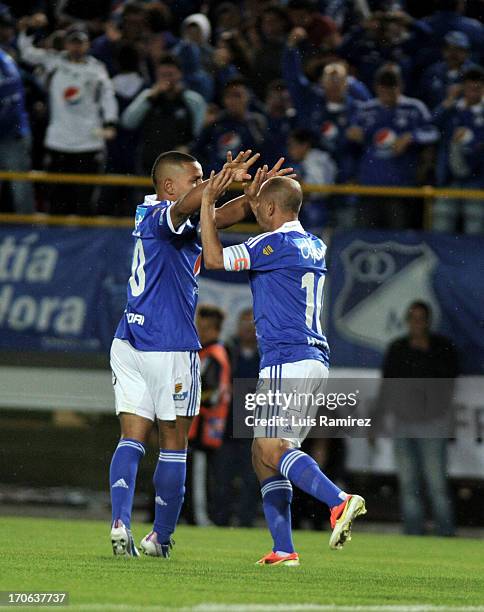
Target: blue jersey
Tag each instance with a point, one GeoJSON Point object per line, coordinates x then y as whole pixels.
{"type": "Point", "coordinates": [437, 79]}
{"type": "Point", "coordinates": [286, 270]}
{"type": "Point", "coordinates": [382, 125]}
{"type": "Point", "coordinates": [443, 22]}
{"type": "Point", "coordinates": [162, 289]}
{"type": "Point", "coordinates": [13, 116]}
{"type": "Point", "coordinates": [461, 162]}
{"type": "Point", "coordinates": [229, 134]}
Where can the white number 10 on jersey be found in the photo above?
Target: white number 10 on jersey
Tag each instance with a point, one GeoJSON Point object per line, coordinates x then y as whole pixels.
{"type": "Point", "coordinates": [137, 278]}
{"type": "Point", "coordinates": [314, 300]}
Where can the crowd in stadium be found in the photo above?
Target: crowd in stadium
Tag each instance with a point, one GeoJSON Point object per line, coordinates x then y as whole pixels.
{"type": "Point", "coordinates": [375, 92]}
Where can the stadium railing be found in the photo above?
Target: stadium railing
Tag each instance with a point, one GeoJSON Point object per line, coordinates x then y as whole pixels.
{"type": "Point", "coordinates": [426, 193]}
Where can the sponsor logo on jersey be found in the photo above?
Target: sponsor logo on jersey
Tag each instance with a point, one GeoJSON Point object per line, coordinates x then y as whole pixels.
{"type": "Point", "coordinates": [197, 265]}
{"type": "Point", "coordinates": [329, 130]}
{"type": "Point", "coordinates": [268, 250]}
{"type": "Point", "coordinates": [311, 249]}
{"type": "Point", "coordinates": [376, 276]}
{"type": "Point", "coordinates": [384, 138]}
{"type": "Point", "coordinates": [132, 317]}
{"type": "Point", "coordinates": [72, 94]}
{"type": "Point", "coordinates": [228, 142]}
{"type": "Point", "coordinates": [180, 397]}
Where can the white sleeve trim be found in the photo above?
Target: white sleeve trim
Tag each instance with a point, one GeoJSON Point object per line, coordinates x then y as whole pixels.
{"type": "Point", "coordinates": [170, 223]}
{"type": "Point", "coordinates": [236, 258]}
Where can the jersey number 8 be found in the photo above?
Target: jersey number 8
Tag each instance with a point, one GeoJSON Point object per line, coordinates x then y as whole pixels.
{"type": "Point", "coordinates": [314, 300]}
{"type": "Point", "coordinates": [138, 270]}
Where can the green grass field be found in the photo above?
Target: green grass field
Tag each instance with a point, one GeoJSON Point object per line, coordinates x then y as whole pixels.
{"type": "Point", "coordinates": [213, 569]}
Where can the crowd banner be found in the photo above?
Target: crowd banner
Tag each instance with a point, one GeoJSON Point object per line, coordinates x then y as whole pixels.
{"type": "Point", "coordinates": [64, 289]}
{"type": "Point", "coordinates": [61, 288]}
{"type": "Point", "coordinates": [374, 276]}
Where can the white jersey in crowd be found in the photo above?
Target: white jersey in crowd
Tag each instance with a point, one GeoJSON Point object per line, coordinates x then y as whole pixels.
{"type": "Point", "coordinates": [81, 98]}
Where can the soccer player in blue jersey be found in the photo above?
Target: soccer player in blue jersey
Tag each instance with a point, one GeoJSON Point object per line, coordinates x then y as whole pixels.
{"type": "Point", "coordinates": [287, 269]}
{"type": "Point", "coordinates": [154, 356]}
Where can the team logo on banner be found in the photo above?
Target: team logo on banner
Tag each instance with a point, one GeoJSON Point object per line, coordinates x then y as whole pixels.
{"type": "Point", "coordinates": [380, 281]}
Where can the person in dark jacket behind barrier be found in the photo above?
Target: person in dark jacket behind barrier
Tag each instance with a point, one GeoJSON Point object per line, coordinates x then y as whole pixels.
{"type": "Point", "coordinates": [421, 443]}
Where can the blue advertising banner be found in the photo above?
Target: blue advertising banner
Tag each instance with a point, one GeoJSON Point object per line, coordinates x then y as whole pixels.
{"type": "Point", "coordinates": [375, 275]}
{"type": "Point", "coordinates": [64, 289]}
{"type": "Point", "coordinates": [61, 288]}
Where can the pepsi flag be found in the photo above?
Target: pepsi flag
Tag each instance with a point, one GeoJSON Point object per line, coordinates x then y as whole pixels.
{"type": "Point", "coordinates": [375, 275]}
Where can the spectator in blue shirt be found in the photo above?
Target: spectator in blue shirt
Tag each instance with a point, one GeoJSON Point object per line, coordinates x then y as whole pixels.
{"type": "Point", "coordinates": [325, 108]}
{"type": "Point", "coordinates": [438, 77]}
{"type": "Point", "coordinates": [122, 150]}
{"type": "Point", "coordinates": [281, 120]}
{"type": "Point", "coordinates": [461, 155]}
{"type": "Point", "coordinates": [236, 128]}
{"type": "Point", "coordinates": [14, 132]}
{"type": "Point", "coordinates": [7, 31]}
{"type": "Point", "coordinates": [129, 26]}
{"type": "Point", "coordinates": [390, 129]}
{"type": "Point", "coordinates": [447, 18]}
{"type": "Point", "coordinates": [314, 167]}
{"type": "Point", "coordinates": [271, 32]}
{"type": "Point", "coordinates": [386, 36]}
{"type": "Point", "coordinates": [301, 86]}
{"type": "Point", "coordinates": [230, 62]}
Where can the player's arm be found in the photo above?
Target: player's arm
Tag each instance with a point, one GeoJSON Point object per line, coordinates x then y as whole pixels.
{"type": "Point", "coordinates": [239, 208]}
{"type": "Point", "coordinates": [190, 203]}
{"type": "Point", "coordinates": [215, 257]}
{"type": "Point", "coordinates": [211, 246]}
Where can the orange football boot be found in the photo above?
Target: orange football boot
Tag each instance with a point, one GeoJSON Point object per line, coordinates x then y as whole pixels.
{"type": "Point", "coordinates": [342, 518]}
{"type": "Point", "coordinates": [273, 558]}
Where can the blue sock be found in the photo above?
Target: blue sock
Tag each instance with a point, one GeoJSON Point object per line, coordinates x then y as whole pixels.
{"type": "Point", "coordinates": [122, 478]}
{"type": "Point", "coordinates": [276, 501]}
{"type": "Point", "coordinates": [304, 472]}
{"type": "Point", "coordinates": [169, 481]}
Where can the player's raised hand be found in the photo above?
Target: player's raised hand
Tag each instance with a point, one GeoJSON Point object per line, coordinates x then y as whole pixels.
{"type": "Point", "coordinates": [278, 170]}
{"type": "Point", "coordinates": [216, 186]}
{"type": "Point", "coordinates": [241, 164]}
{"type": "Point", "coordinates": [252, 189]}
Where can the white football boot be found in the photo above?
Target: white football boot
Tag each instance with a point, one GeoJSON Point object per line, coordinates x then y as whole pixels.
{"type": "Point", "coordinates": [122, 541]}
{"type": "Point", "coordinates": [150, 546]}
